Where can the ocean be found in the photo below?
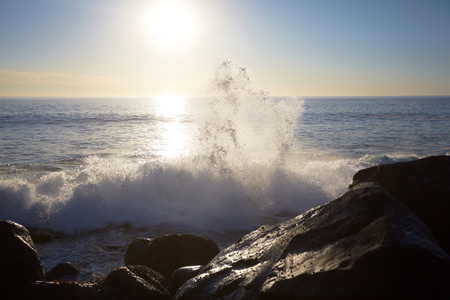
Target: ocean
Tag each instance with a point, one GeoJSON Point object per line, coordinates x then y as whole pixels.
{"type": "Point", "coordinates": [107, 170]}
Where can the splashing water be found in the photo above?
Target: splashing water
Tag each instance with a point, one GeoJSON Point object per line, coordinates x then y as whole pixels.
{"type": "Point", "coordinates": [244, 125]}
{"type": "Point", "coordinates": [241, 172]}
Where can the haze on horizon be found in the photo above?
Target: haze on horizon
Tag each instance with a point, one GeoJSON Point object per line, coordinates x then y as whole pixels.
{"type": "Point", "coordinates": [77, 48]}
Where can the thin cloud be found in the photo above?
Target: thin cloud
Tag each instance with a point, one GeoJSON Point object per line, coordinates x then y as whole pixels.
{"type": "Point", "coordinates": [31, 83]}
{"type": "Point", "coordinates": [14, 77]}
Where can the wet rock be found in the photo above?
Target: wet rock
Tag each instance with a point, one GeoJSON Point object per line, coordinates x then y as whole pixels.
{"type": "Point", "coordinates": [147, 274]}
{"type": "Point", "coordinates": [423, 185]}
{"type": "Point", "coordinates": [181, 275]}
{"type": "Point", "coordinates": [364, 245]}
{"type": "Point", "coordinates": [62, 269]}
{"type": "Point", "coordinates": [19, 260]}
{"type": "Point", "coordinates": [133, 282]}
{"type": "Point", "coordinates": [46, 290]}
{"type": "Point", "coordinates": [167, 253]}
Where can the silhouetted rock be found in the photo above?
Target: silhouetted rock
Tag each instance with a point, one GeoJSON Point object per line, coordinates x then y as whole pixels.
{"type": "Point", "coordinates": [423, 185]}
{"type": "Point", "coordinates": [133, 282]}
{"type": "Point", "coordinates": [181, 275]}
{"type": "Point", "coordinates": [167, 253]}
{"type": "Point", "coordinates": [19, 260]}
{"type": "Point", "coordinates": [48, 290]}
{"type": "Point", "coordinates": [62, 269]}
{"type": "Point", "coordinates": [364, 245]}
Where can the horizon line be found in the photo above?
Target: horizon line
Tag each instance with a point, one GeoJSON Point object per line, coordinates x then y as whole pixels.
{"type": "Point", "coordinates": [196, 96]}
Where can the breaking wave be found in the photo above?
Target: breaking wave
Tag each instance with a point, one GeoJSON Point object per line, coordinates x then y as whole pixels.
{"type": "Point", "coordinates": [241, 171]}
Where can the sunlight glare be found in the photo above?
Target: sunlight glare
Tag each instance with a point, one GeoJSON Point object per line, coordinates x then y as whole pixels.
{"type": "Point", "coordinates": [172, 23]}
{"type": "Point", "coordinates": [172, 107]}
{"type": "Point", "coordinates": [174, 136]}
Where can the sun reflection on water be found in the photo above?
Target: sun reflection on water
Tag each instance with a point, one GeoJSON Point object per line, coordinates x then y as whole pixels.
{"type": "Point", "coordinates": [171, 107]}
{"type": "Point", "coordinates": [175, 136]}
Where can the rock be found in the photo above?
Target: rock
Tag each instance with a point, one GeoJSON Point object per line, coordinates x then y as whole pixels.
{"type": "Point", "coordinates": [133, 282]}
{"type": "Point", "coordinates": [19, 260]}
{"type": "Point", "coordinates": [167, 253]}
{"type": "Point", "coordinates": [423, 185]}
{"type": "Point", "coordinates": [364, 245]}
{"type": "Point", "coordinates": [181, 275]}
{"type": "Point", "coordinates": [62, 269]}
{"type": "Point", "coordinates": [45, 290]}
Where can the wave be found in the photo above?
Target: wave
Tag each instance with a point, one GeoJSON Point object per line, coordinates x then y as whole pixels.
{"type": "Point", "coordinates": [241, 171]}
{"type": "Point", "coordinates": [114, 191]}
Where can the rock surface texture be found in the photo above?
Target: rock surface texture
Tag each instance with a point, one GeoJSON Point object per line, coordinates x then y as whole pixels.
{"type": "Point", "coordinates": [48, 290]}
{"type": "Point", "coordinates": [423, 185]}
{"type": "Point", "coordinates": [133, 283]}
{"type": "Point", "coordinates": [167, 253]}
{"type": "Point", "coordinates": [181, 275]}
{"type": "Point", "coordinates": [62, 269]}
{"type": "Point", "coordinates": [366, 244]}
{"type": "Point", "coordinates": [19, 260]}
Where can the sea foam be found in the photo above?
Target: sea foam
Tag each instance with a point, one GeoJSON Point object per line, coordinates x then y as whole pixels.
{"type": "Point", "coordinates": [242, 171]}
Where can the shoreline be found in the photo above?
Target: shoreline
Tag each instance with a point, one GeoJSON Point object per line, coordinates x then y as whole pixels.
{"type": "Point", "coordinates": [390, 190]}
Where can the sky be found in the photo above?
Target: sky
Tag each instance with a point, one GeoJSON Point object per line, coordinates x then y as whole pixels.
{"type": "Point", "coordinates": [72, 48]}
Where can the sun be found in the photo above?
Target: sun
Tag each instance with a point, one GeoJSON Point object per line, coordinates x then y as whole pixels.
{"type": "Point", "coordinates": [171, 23]}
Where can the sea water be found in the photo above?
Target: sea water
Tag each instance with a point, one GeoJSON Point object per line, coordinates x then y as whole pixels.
{"type": "Point", "coordinates": [105, 171]}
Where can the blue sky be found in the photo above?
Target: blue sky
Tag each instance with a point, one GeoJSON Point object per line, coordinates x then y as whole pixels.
{"type": "Point", "coordinates": [301, 48]}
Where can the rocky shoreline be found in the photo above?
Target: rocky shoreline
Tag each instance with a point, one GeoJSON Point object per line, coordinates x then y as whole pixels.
{"type": "Point", "coordinates": [387, 237]}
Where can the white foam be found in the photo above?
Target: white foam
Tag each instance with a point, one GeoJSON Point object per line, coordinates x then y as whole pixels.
{"type": "Point", "coordinates": [115, 190]}
{"type": "Point", "coordinates": [241, 173]}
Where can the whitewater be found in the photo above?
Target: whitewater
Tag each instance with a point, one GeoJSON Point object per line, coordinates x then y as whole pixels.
{"type": "Point", "coordinates": [104, 171]}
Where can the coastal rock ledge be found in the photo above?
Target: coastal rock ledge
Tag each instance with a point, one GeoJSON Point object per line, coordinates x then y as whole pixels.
{"type": "Point", "coordinates": [367, 244]}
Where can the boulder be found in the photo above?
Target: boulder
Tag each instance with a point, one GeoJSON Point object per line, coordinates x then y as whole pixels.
{"type": "Point", "coordinates": [181, 275]}
{"type": "Point", "coordinates": [48, 290]}
{"type": "Point", "coordinates": [167, 253]}
{"type": "Point", "coordinates": [19, 260]}
{"type": "Point", "coordinates": [62, 269]}
{"type": "Point", "coordinates": [364, 245]}
{"type": "Point", "coordinates": [133, 282]}
{"type": "Point", "coordinates": [423, 185]}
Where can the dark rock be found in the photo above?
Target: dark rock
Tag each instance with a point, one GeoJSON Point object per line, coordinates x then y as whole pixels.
{"type": "Point", "coordinates": [45, 290]}
{"type": "Point", "coordinates": [19, 260]}
{"type": "Point", "coordinates": [363, 245]}
{"type": "Point", "coordinates": [167, 253]}
{"type": "Point", "coordinates": [423, 185]}
{"type": "Point", "coordinates": [133, 282]}
{"type": "Point", "coordinates": [181, 275]}
{"type": "Point", "coordinates": [62, 269]}
{"type": "Point", "coordinates": [136, 253]}
{"type": "Point", "coordinates": [147, 273]}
